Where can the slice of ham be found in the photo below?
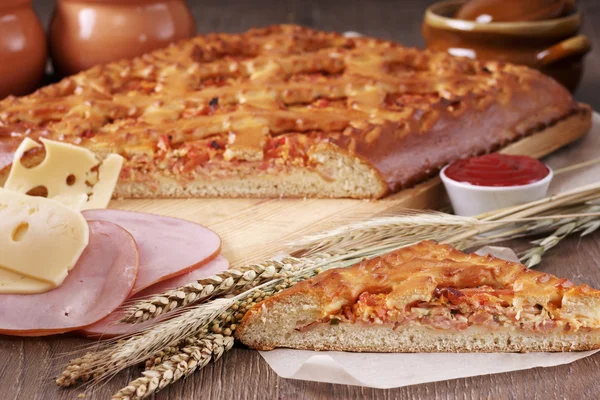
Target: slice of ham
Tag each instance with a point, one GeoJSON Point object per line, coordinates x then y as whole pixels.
{"type": "Point", "coordinates": [168, 246]}
{"type": "Point", "coordinates": [109, 326]}
{"type": "Point", "coordinates": [99, 283]}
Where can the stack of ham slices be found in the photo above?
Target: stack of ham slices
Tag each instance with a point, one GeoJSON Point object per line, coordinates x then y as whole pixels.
{"type": "Point", "coordinates": [129, 255]}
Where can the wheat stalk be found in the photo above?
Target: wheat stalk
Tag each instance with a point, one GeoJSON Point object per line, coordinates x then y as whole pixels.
{"type": "Point", "coordinates": [407, 227]}
{"type": "Point", "coordinates": [230, 282]}
{"type": "Point", "coordinates": [529, 227]}
{"type": "Point", "coordinates": [576, 166]}
{"type": "Point", "coordinates": [499, 218]}
{"type": "Point", "coordinates": [586, 225]}
{"type": "Point", "coordinates": [570, 197]}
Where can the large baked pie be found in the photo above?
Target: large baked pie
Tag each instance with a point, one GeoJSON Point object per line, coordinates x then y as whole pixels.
{"type": "Point", "coordinates": [428, 298]}
{"type": "Point", "coordinates": [288, 111]}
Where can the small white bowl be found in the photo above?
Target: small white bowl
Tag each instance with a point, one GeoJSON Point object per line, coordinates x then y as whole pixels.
{"type": "Point", "coordinates": [468, 199]}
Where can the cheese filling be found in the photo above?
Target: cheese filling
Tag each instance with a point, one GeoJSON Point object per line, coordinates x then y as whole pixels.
{"type": "Point", "coordinates": [454, 309]}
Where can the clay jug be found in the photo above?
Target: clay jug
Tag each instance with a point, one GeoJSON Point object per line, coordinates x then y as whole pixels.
{"type": "Point", "coordinates": [84, 33]}
{"type": "Point", "coordinates": [22, 48]}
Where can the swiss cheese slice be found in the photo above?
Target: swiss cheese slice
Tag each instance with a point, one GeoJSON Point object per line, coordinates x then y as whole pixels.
{"type": "Point", "coordinates": [40, 239]}
{"type": "Point", "coordinates": [66, 172]}
{"type": "Point", "coordinates": [15, 283]}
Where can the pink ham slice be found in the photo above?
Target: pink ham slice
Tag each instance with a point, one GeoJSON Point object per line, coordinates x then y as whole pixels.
{"type": "Point", "coordinates": [168, 246]}
{"type": "Point", "coordinates": [99, 283]}
{"type": "Point", "coordinates": [109, 328]}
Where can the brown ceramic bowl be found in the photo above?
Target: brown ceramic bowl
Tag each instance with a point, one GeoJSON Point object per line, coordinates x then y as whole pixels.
{"type": "Point", "coordinates": [553, 46]}
{"type": "Point", "coordinates": [84, 33]}
{"type": "Point", "coordinates": [22, 48]}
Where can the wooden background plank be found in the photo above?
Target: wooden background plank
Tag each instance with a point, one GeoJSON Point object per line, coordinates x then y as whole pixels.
{"type": "Point", "coordinates": [28, 365]}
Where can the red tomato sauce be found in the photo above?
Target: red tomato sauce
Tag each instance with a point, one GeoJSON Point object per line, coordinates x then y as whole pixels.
{"type": "Point", "coordinates": [497, 170]}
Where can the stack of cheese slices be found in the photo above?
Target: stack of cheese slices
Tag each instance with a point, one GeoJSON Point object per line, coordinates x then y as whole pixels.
{"type": "Point", "coordinates": [68, 264]}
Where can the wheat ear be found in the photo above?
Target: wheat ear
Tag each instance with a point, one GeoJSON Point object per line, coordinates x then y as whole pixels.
{"type": "Point", "coordinates": [407, 227]}
{"type": "Point", "coordinates": [585, 225]}
{"type": "Point", "coordinates": [230, 282]}
{"type": "Point", "coordinates": [165, 353]}
{"type": "Point", "coordinates": [194, 353]}
{"type": "Point", "coordinates": [191, 358]}
{"type": "Point", "coordinates": [111, 358]}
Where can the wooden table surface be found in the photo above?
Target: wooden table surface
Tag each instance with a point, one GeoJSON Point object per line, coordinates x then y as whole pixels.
{"type": "Point", "coordinates": [27, 366]}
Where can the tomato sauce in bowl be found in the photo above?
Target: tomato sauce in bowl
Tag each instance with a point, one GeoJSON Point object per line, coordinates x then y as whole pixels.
{"type": "Point", "coordinates": [494, 181]}
{"type": "Point", "coordinates": [497, 170]}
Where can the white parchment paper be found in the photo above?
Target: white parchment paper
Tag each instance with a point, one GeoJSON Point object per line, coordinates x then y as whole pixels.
{"type": "Point", "coordinates": [390, 370]}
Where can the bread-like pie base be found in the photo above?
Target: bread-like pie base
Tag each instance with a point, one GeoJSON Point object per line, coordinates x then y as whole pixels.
{"type": "Point", "coordinates": [334, 174]}
{"type": "Point", "coordinates": [276, 329]}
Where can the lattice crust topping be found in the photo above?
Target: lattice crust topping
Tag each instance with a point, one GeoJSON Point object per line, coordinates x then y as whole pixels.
{"type": "Point", "coordinates": [433, 276]}
{"type": "Point", "coordinates": [268, 96]}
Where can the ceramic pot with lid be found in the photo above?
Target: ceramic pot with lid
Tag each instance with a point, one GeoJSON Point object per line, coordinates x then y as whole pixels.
{"type": "Point", "coordinates": [22, 48]}
{"type": "Point", "coordinates": [553, 45]}
{"type": "Point", "coordinates": [84, 33]}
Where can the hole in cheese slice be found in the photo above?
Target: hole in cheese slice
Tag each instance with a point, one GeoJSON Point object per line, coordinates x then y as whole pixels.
{"type": "Point", "coordinates": [66, 172]}
{"type": "Point", "coordinates": [19, 231]}
{"type": "Point", "coordinates": [39, 191]}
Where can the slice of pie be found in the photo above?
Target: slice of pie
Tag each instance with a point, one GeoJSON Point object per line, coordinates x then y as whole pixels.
{"type": "Point", "coordinates": [428, 298]}
{"type": "Point", "coordinates": [288, 111]}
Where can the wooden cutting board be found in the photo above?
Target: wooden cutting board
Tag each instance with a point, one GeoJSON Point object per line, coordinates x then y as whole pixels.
{"type": "Point", "coordinates": [252, 228]}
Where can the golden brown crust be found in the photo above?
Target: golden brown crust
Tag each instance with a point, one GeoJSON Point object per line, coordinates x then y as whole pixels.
{"type": "Point", "coordinates": [416, 271]}
{"type": "Point", "coordinates": [442, 290]}
{"type": "Point", "coordinates": [264, 100]}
